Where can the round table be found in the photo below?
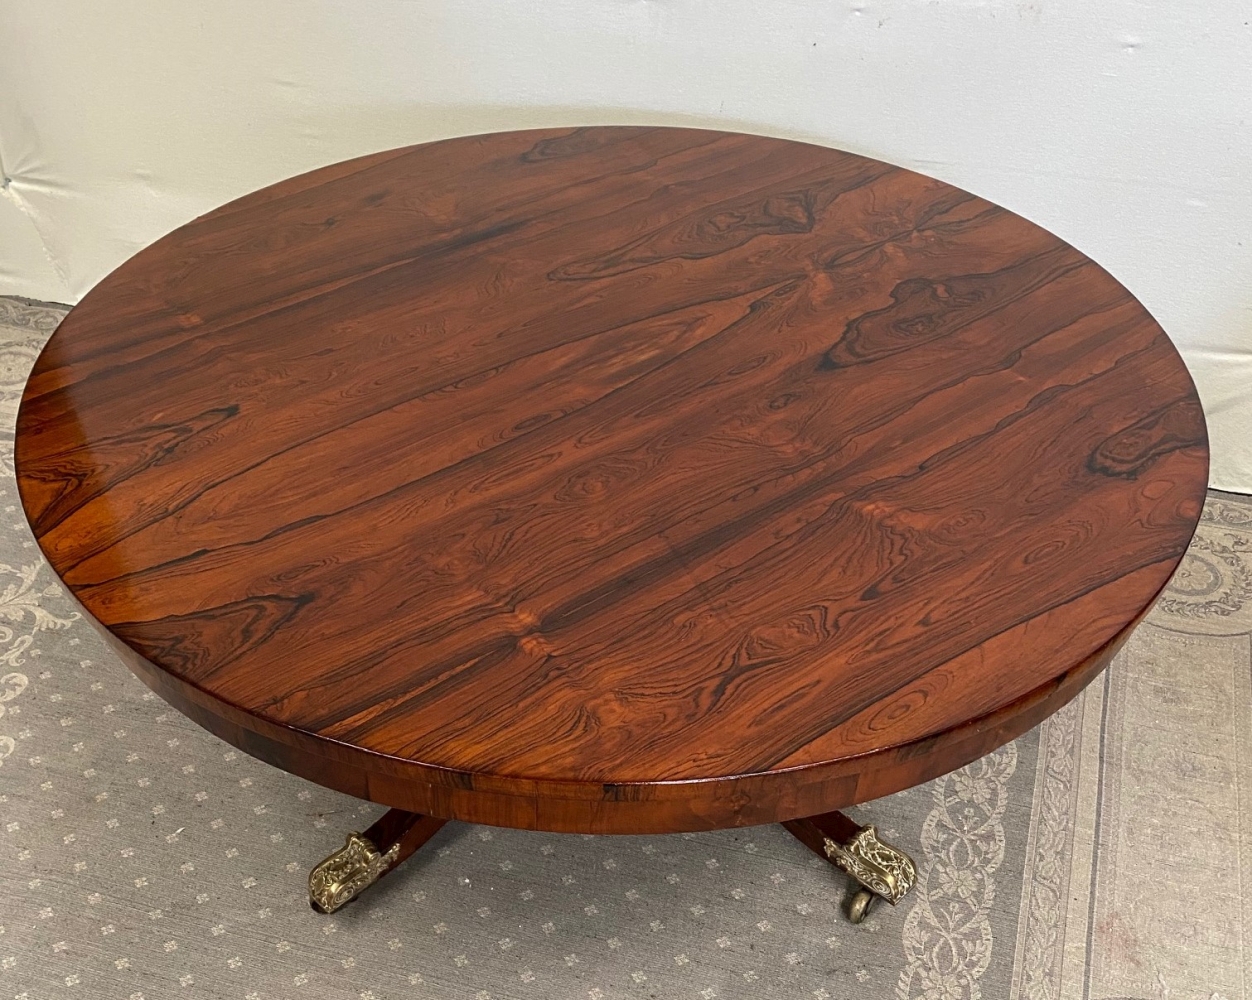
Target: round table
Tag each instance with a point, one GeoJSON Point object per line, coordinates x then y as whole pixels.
{"type": "Point", "coordinates": [612, 480]}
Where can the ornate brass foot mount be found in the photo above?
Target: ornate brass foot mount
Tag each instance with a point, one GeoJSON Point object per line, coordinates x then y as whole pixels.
{"type": "Point", "coordinates": [367, 857]}
{"type": "Point", "coordinates": [884, 871]}
{"type": "Point", "coordinates": [346, 873]}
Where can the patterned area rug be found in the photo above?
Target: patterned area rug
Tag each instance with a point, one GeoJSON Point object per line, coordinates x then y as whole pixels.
{"type": "Point", "coordinates": [1107, 854]}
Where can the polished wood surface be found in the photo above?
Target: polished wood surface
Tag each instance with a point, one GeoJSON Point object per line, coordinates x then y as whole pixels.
{"type": "Point", "coordinates": [614, 479]}
{"type": "Point", "coordinates": [408, 830]}
{"type": "Point", "coordinates": [813, 831]}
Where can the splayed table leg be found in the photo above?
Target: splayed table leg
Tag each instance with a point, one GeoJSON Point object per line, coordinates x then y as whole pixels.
{"type": "Point", "coordinates": [882, 871]}
{"type": "Point", "coordinates": [367, 857]}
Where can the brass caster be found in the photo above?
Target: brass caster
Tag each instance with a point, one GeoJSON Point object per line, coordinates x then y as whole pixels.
{"type": "Point", "coordinates": [859, 907]}
{"type": "Point", "coordinates": [349, 871]}
{"type": "Point", "coordinates": [881, 869]}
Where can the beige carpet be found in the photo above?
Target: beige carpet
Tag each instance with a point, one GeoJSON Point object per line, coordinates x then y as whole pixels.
{"type": "Point", "coordinates": [1107, 854]}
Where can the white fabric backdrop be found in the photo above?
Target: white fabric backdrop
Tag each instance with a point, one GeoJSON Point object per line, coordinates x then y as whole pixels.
{"type": "Point", "coordinates": [1124, 126]}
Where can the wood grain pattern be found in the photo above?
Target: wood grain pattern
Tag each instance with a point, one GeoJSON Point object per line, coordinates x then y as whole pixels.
{"type": "Point", "coordinates": [409, 831]}
{"type": "Point", "coordinates": [813, 831]}
{"type": "Point", "coordinates": [613, 479]}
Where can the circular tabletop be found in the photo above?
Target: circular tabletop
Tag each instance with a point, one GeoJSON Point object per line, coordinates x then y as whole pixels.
{"type": "Point", "coordinates": [613, 479]}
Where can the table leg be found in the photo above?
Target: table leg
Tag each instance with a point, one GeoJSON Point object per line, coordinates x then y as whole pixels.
{"type": "Point", "coordinates": [367, 857]}
{"type": "Point", "coordinates": [883, 871]}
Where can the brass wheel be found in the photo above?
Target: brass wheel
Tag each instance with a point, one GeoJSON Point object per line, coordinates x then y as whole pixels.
{"type": "Point", "coordinates": [860, 905]}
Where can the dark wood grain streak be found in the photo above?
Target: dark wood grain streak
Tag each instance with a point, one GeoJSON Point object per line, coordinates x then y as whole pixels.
{"type": "Point", "coordinates": [613, 479]}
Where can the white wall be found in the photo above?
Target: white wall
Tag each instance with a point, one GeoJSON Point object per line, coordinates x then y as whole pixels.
{"type": "Point", "coordinates": [1124, 126]}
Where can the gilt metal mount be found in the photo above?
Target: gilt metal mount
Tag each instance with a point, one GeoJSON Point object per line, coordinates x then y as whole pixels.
{"type": "Point", "coordinates": [342, 876]}
{"type": "Point", "coordinates": [885, 870]}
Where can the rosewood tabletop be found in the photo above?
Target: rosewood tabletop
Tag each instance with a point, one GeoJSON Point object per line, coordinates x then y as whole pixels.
{"type": "Point", "coordinates": [613, 479]}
